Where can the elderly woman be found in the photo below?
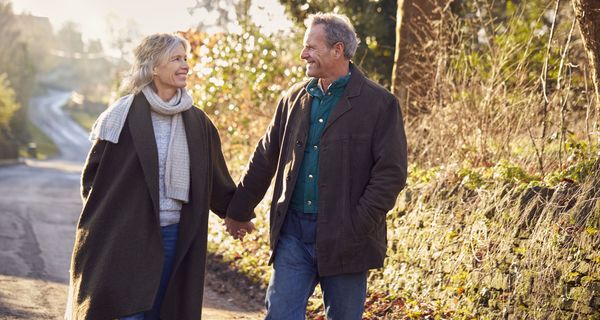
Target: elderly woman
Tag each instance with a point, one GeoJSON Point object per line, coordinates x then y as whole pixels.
{"type": "Point", "coordinates": [153, 173]}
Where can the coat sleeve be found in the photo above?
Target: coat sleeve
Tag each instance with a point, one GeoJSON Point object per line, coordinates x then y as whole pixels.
{"type": "Point", "coordinates": [223, 186]}
{"type": "Point", "coordinates": [260, 170]}
{"type": "Point", "coordinates": [389, 171]}
{"type": "Point", "coordinates": [91, 167]}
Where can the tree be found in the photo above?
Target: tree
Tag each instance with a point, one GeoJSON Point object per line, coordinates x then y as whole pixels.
{"type": "Point", "coordinates": [20, 71]}
{"type": "Point", "coordinates": [588, 17]}
{"type": "Point", "coordinates": [225, 13]}
{"type": "Point", "coordinates": [413, 74]}
{"type": "Point", "coordinates": [8, 106]}
{"type": "Point", "coordinates": [15, 61]}
{"type": "Point", "coordinates": [70, 38]}
{"type": "Point", "coordinates": [38, 34]}
{"type": "Point", "coordinates": [236, 79]}
{"type": "Point", "coordinates": [8, 35]}
{"type": "Point", "coordinates": [373, 21]}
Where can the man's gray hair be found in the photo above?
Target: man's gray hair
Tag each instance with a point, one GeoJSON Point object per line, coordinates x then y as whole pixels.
{"type": "Point", "coordinates": [337, 29]}
{"type": "Point", "coordinates": [153, 50]}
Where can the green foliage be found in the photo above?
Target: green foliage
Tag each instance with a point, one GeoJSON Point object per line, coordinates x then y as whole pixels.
{"type": "Point", "coordinates": [580, 162]}
{"type": "Point", "coordinates": [8, 104]}
{"type": "Point", "coordinates": [574, 173]}
{"type": "Point", "coordinates": [492, 99]}
{"type": "Point", "coordinates": [504, 172]}
{"type": "Point", "coordinates": [15, 58]}
{"type": "Point", "coordinates": [417, 174]}
{"type": "Point", "coordinates": [19, 69]}
{"type": "Point", "coordinates": [511, 36]}
{"type": "Point", "coordinates": [8, 107]}
{"type": "Point", "coordinates": [374, 22]}
{"type": "Point", "coordinates": [86, 112]}
{"type": "Point", "coordinates": [508, 172]}
{"type": "Point", "coordinates": [44, 145]}
{"type": "Point", "coordinates": [237, 79]}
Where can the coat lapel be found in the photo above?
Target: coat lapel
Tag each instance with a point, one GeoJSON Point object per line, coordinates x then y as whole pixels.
{"type": "Point", "coordinates": [142, 133]}
{"type": "Point", "coordinates": [352, 90]}
{"type": "Point", "coordinates": [197, 138]}
{"type": "Point", "coordinates": [192, 213]}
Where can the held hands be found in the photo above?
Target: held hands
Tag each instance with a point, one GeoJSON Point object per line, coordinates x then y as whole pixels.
{"type": "Point", "coordinates": [238, 229]}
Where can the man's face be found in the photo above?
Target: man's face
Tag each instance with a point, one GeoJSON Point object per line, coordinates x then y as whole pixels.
{"type": "Point", "coordinates": [317, 53]}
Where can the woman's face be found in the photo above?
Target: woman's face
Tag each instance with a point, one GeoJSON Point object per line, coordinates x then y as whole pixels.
{"type": "Point", "coordinates": [172, 72]}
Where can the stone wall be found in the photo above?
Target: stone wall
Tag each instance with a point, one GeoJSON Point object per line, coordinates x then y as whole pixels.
{"type": "Point", "coordinates": [497, 252]}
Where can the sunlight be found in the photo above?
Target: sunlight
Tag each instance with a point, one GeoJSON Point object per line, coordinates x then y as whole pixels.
{"type": "Point", "coordinates": [95, 18]}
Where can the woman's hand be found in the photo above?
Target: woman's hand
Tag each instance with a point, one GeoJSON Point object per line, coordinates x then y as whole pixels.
{"type": "Point", "coordinates": [238, 229]}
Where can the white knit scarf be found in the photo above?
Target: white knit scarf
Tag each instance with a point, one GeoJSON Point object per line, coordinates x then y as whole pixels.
{"type": "Point", "coordinates": [177, 171]}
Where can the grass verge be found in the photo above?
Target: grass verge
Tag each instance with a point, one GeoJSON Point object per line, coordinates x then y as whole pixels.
{"type": "Point", "coordinates": [82, 117]}
{"type": "Point", "coordinates": [44, 145]}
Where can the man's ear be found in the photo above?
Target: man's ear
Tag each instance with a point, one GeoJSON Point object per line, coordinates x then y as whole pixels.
{"type": "Point", "coordinates": [339, 49]}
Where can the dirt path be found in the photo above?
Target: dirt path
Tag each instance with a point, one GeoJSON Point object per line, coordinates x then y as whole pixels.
{"type": "Point", "coordinates": [39, 208]}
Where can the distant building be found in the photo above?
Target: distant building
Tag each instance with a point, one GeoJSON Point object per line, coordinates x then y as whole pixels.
{"type": "Point", "coordinates": [36, 34]}
{"type": "Point", "coordinates": [33, 27]}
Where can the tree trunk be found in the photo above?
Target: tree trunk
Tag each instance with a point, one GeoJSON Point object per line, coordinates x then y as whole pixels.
{"type": "Point", "coordinates": [588, 16]}
{"type": "Point", "coordinates": [412, 76]}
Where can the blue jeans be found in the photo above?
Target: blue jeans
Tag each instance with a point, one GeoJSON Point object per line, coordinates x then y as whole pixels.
{"type": "Point", "coordinates": [295, 277]}
{"type": "Point", "coordinates": [169, 237]}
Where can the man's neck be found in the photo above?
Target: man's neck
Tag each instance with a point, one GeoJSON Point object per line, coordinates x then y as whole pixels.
{"type": "Point", "coordinates": [338, 72]}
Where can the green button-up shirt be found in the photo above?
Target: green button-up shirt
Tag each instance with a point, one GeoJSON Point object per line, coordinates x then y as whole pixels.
{"type": "Point", "coordinates": [306, 192]}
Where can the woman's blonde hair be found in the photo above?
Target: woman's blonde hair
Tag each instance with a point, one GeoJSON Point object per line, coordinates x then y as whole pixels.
{"type": "Point", "coordinates": [148, 54]}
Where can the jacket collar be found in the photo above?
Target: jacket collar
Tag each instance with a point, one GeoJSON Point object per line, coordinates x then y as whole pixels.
{"type": "Point", "coordinates": [353, 89]}
{"type": "Point", "coordinates": [357, 79]}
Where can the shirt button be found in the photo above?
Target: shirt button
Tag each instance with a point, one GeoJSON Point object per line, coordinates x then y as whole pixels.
{"type": "Point", "coordinates": [321, 120]}
{"type": "Point", "coordinates": [315, 147]}
{"type": "Point", "coordinates": [328, 93]}
{"type": "Point", "coordinates": [309, 202]}
{"type": "Point", "coordinates": [310, 176]}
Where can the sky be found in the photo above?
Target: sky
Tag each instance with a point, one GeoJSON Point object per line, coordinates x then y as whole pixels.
{"type": "Point", "coordinates": [150, 16]}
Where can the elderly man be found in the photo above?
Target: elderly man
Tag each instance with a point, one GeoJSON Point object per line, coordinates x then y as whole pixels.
{"type": "Point", "coordinates": [338, 150]}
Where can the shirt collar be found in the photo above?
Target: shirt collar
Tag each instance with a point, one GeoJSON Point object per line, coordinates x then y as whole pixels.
{"type": "Point", "coordinates": [314, 87]}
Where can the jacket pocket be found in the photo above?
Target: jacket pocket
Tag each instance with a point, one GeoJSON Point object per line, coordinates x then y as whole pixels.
{"type": "Point", "coordinates": [350, 236]}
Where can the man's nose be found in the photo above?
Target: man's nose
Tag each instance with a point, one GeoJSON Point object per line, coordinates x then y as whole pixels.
{"type": "Point", "coordinates": [303, 54]}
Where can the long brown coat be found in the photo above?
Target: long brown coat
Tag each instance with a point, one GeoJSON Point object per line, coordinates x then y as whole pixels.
{"type": "Point", "coordinates": [118, 254]}
{"type": "Point", "coordinates": [362, 168]}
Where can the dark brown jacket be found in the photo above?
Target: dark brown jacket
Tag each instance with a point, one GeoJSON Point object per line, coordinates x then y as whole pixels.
{"type": "Point", "coordinates": [362, 168]}
{"type": "Point", "coordinates": [118, 254]}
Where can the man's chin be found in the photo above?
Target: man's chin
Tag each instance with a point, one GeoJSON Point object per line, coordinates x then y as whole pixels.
{"type": "Point", "coordinates": [311, 73]}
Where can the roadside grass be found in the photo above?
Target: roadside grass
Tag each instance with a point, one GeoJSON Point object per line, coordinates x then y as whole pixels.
{"type": "Point", "coordinates": [84, 118]}
{"type": "Point", "coordinates": [86, 112]}
{"type": "Point", "coordinates": [44, 145]}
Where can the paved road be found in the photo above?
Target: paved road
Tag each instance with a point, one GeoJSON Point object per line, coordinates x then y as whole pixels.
{"type": "Point", "coordinates": [39, 208]}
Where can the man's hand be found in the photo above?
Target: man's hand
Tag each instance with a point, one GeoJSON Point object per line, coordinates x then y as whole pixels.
{"type": "Point", "coordinates": [238, 229]}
